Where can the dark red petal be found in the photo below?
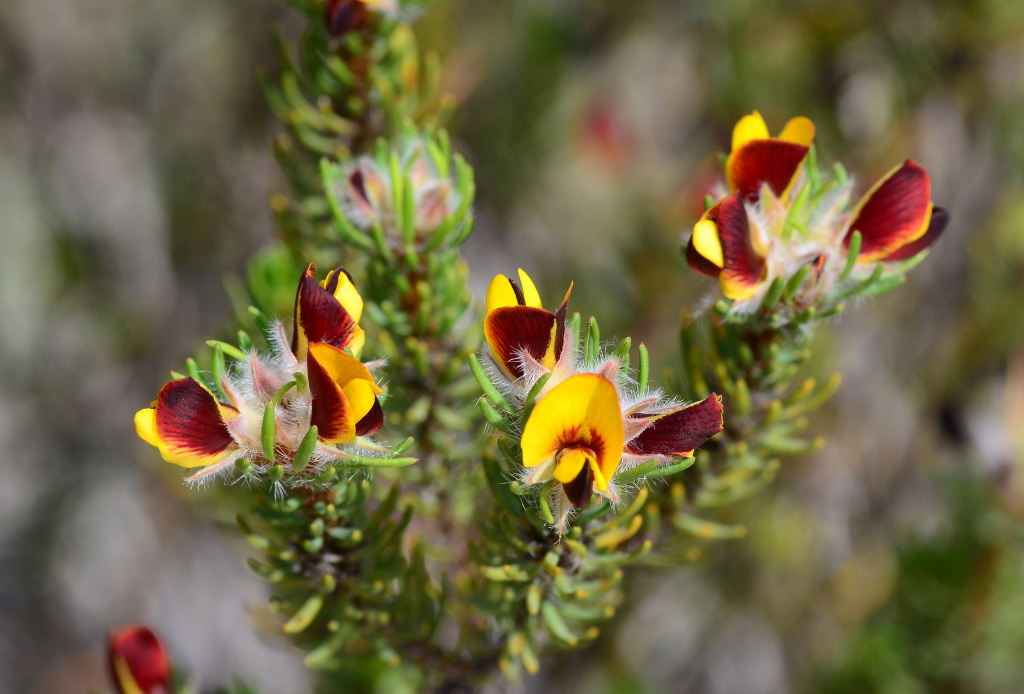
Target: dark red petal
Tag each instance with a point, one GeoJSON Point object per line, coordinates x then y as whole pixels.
{"type": "Point", "coordinates": [560, 315]}
{"type": "Point", "coordinates": [330, 411]}
{"type": "Point", "coordinates": [345, 15]}
{"type": "Point", "coordinates": [145, 657]}
{"type": "Point", "coordinates": [939, 220]}
{"type": "Point", "coordinates": [372, 421]}
{"type": "Point", "coordinates": [188, 419]}
{"type": "Point", "coordinates": [772, 161]}
{"type": "Point", "coordinates": [699, 263]}
{"type": "Point", "coordinates": [319, 317]}
{"type": "Point", "coordinates": [579, 490]}
{"type": "Point", "coordinates": [512, 329]}
{"type": "Point", "coordinates": [743, 266]}
{"type": "Point", "coordinates": [680, 432]}
{"type": "Point", "coordinates": [893, 212]}
{"type": "Point", "coordinates": [358, 182]}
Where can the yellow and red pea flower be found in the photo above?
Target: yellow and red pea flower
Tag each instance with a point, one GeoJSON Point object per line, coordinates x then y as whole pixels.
{"type": "Point", "coordinates": [757, 158]}
{"type": "Point", "coordinates": [327, 312]}
{"type": "Point", "coordinates": [343, 16]}
{"type": "Point", "coordinates": [344, 395]}
{"type": "Point", "coordinates": [517, 326]}
{"type": "Point", "coordinates": [187, 424]}
{"type": "Point", "coordinates": [896, 217]}
{"type": "Point", "coordinates": [191, 428]}
{"type": "Point", "coordinates": [367, 196]}
{"type": "Point", "coordinates": [581, 433]}
{"type": "Point", "coordinates": [138, 662]}
{"type": "Point", "coordinates": [586, 425]}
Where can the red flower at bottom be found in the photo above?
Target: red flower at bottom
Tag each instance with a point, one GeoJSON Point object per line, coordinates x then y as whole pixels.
{"type": "Point", "coordinates": [138, 662]}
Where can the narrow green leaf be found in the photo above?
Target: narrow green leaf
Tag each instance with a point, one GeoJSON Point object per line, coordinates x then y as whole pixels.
{"type": "Point", "coordinates": [487, 387]}
{"type": "Point", "coordinates": [556, 625]}
{"type": "Point", "coordinates": [244, 341]}
{"type": "Point", "coordinates": [852, 252]}
{"type": "Point", "coordinates": [644, 369]}
{"type": "Point", "coordinates": [774, 293]}
{"type": "Point", "coordinates": [229, 350]}
{"type": "Point", "coordinates": [795, 282]}
{"type": "Point", "coordinates": [305, 450]}
{"type": "Point", "coordinates": [305, 616]}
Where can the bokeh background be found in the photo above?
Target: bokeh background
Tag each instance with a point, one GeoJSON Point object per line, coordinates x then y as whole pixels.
{"type": "Point", "coordinates": [135, 171]}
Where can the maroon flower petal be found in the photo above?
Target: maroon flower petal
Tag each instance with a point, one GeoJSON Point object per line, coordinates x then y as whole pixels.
{"type": "Point", "coordinates": [330, 412]}
{"type": "Point", "coordinates": [512, 329]}
{"type": "Point", "coordinates": [771, 161]}
{"type": "Point", "coordinates": [136, 652]}
{"type": "Point", "coordinates": [189, 421]}
{"type": "Point", "coordinates": [679, 432]}
{"type": "Point", "coordinates": [560, 315]}
{"type": "Point", "coordinates": [939, 220]}
{"type": "Point", "coordinates": [319, 317]}
{"type": "Point", "coordinates": [893, 213]}
{"type": "Point", "coordinates": [743, 266]}
{"type": "Point", "coordinates": [582, 486]}
{"type": "Point", "coordinates": [699, 263]}
{"type": "Point", "coordinates": [372, 421]}
{"type": "Point", "coordinates": [344, 16]}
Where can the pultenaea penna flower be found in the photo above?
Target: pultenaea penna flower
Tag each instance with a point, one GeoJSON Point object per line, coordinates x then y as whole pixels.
{"type": "Point", "coordinates": [589, 422]}
{"type": "Point", "coordinates": [367, 195]}
{"type": "Point", "coordinates": [191, 427]}
{"type": "Point", "coordinates": [344, 16]}
{"type": "Point", "coordinates": [138, 662]}
{"type": "Point", "coordinates": [517, 324]}
{"type": "Point", "coordinates": [778, 217]}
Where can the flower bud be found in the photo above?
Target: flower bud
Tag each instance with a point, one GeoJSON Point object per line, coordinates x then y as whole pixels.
{"type": "Point", "coordinates": [138, 662]}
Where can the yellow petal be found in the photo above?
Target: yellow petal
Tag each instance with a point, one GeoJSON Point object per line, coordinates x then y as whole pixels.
{"type": "Point", "coordinates": [749, 128]}
{"type": "Point", "coordinates": [799, 130]}
{"type": "Point", "coordinates": [500, 294]}
{"type": "Point", "coordinates": [737, 290]}
{"type": "Point", "coordinates": [346, 294]}
{"type": "Point", "coordinates": [570, 463]}
{"type": "Point", "coordinates": [707, 243]}
{"type": "Point", "coordinates": [125, 679]}
{"type": "Point", "coordinates": [600, 481]}
{"type": "Point", "coordinates": [358, 340]}
{"type": "Point", "coordinates": [580, 411]}
{"type": "Point", "coordinates": [361, 396]}
{"type": "Point", "coordinates": [530, 293]}
{"type": "Point", "coordinates": [341, 367]}
{"type": "Point", "coordinates": [145, 426]}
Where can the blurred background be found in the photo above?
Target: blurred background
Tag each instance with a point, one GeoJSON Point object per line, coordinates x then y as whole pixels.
{"type": "Point", "coordinates": [135, 171]}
